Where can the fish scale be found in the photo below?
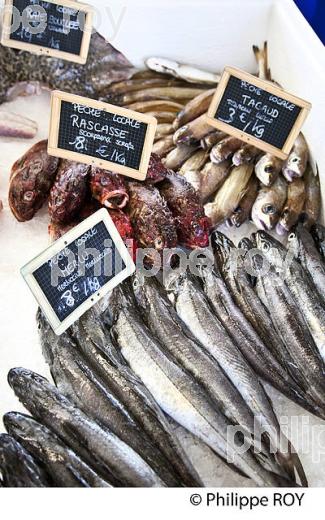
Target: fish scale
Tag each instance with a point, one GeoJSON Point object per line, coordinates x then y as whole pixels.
{"type": "Point", "coordinates": [178, 394]}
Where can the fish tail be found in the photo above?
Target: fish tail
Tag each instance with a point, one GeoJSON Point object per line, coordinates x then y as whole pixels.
{"type": "Point", "coordinates": [291, 462]}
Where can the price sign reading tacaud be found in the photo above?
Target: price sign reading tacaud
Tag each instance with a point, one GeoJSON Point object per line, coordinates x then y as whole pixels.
{"type": "Point", "coordinates": [257, 112]}
{"type": "Point", "coordinates": [78, 270]}
{"type": "Point", "coordinates": [100, 134]}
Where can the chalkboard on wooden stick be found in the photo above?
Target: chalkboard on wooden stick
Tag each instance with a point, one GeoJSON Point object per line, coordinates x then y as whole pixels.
{"type": "Point", "coordinates": [100, 134]}
{"type": "Point", "coordinates": [78, 270]}
{"type": "Point", "coordinates": [57, 28]}
{"type": "Point", "coordinates": [257, 112]}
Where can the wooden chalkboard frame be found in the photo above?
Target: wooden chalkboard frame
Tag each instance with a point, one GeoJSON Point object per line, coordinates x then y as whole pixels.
{"type": "Point", "coordinates": [27, 271]}
{"type": "Point", "coordinates": [39, 49]}
{"type": "Point", "coordinates": [53, 149]}
{"type": "Point", "coordinates": [268, 87]}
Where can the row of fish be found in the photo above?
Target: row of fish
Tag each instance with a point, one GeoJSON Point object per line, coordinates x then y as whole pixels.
{"type": "Point", "coordinates": [195, 350]}
{"type": "Point", "coordinates": [161, 213]}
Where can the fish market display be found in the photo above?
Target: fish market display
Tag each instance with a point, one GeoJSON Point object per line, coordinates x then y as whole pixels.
{"type": "Point", "coordinates": [187, 350]}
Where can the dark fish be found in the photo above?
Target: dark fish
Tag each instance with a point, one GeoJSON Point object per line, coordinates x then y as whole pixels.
{"type": "Point", "coordinates": [17, 466]}
{"type": "Point", "coordinates": [32, 177]}
{"type": "Point", "coordinates": [313, 202]}
{"type": "Point", "coordinates": [68, 192]}
{"type": "Point", "coordinates": [192, 225]}
{"type": "Point", "coordinates": [25, 73]}
{"type": "Point", "coordinates": [105, 453]}
{"type": "Point", "coordinates": [108, 188]}
{"type": "Point", "coordinates": [151, 218]}
{"type": "Point", "coordinates": [177, 392]}
{"type": "Point", "coordinates": [318, 233]}
{"type": "Point", "coordinates": [95, 342]}
{"type": "Point", "coordinates": [65, 468]}
{"type": "Point", "coordinates": [79, 383]}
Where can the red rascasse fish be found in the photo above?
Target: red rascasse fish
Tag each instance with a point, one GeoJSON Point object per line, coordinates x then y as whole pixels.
{"type": "Point", "coordinates": [108, 188]}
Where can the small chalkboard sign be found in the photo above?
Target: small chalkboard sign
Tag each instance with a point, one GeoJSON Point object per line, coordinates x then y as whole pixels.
{"type": "Point", "coordinates": [58, 28]}
{"type": "Point", "coordinates": [257, 112]}
{"type": "Point", "coordinates": [78, 269]}
{"type": "Point", "coordinates": [100, 134]}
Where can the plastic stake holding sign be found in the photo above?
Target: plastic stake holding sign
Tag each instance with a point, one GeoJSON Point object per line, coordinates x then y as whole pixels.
{"type": "Point", "coordinates": [257, 112]}
{"type": "Point", "coordinates": [75, 272]}
{"type": "Point", "coordinates": [96, 133]}
{"type": "Point", "coordinates": [61, 29]}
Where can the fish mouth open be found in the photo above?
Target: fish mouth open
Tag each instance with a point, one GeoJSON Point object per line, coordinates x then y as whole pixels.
{"type": "Point", "coordinates": [116, 199]}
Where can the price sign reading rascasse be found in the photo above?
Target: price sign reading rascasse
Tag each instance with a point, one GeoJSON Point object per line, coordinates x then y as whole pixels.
{"type": "Point", "coordinates": [61, 29]}
{"type": "Point", "coordinates": [257, 112]}
{"type": "Point", "coordinates": [104, 135]}
{"type": "Point", "coordinates": [78, 269]}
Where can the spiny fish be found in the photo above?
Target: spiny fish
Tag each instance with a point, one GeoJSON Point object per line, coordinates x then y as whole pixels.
{"type": "Point", "coordinates": [17, 466]}
{"type": "Point", "coordinates": [108, 188]}
{"type": "Point", "coordinates": [110, 457]}
{"type": "Point", "coordinates": [65, 468]}
{"type": "Point", "coordinates": [32, 177]}
{"type": "Point", "coordinates": [68, 192]}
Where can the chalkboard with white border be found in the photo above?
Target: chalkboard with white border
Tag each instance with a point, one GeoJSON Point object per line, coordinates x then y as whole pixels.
{"type": "Point", "coordinates": [55, 28]}
{"type": "Point", "coordinates": [100, 134]}
{"type": "Point", "coordinates": [78, 269]}
{"type": "Point", "coordinates": [257, 112]}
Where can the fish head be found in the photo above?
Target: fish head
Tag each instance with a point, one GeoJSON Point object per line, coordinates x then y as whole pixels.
{"type": "Point", "coordinates": [222, 247]}
{"type": "Point", "coordinates": [196, 232]}
{"type": "Point", "coordinates": [294, 167]}
{"type": "Point", "coordinates": [17, 424]}
{"type": "Point", "coordinates": [174, 281]}
{"type": "Point", "coordinates": [270, 247]}
{"type": "Point", "coordinates": [157, 172]}
{"type": "Point", "coordinates": [141, 289]}
{"type": "Point", "coordinates": [28, 386]}
{"type": "Point", "coordinates": [267, 170]}
{"type": "Point", "coordinates": [162, 65]}
{"type": "Point", "coordinates": [264, 214]}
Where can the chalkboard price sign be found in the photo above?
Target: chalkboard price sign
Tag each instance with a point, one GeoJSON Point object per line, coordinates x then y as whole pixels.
{"type": "Point", "coordinates": [100, 134]}
{"type": "Point", "coordinates": [58, 28]}
{"type": "Point", "coordinates": [78, 269]}
{"type": "Point", "coordinates": [257, 112]}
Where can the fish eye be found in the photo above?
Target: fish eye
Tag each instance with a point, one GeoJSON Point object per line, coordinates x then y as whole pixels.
{"type": "Point", "coordinates": [268, 209]}
{"type": "Point", "coordinates": [292, 236]}
{"type": "Point", "coordinates": [269, 169]}
{"type": "Point", "coordinates": [265, 246]}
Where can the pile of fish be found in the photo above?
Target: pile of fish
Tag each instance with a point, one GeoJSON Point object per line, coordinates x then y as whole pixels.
{"type": "Point", "coordinates": [193, 350]}
{"type": "Point", "coordinates": [235, 181]}
{"type": "Point", "coordinates": [160, 213]}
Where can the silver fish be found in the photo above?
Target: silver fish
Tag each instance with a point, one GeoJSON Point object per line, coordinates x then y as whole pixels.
{"type": "Point", "coordinates": [65, 468]}
{"type": "Point", "coordinates": [14, 125]}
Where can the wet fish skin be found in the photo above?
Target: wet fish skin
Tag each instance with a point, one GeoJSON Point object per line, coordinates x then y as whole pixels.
{"type": "Point", "coordinates": [296, 164]}
{"type": "Point", "coordinates": [193, 308]}
{"type": "Point", "coordinates": [235, 276]}
{"type": "Point", "coordinates": [78, 382]}
{"type": "Point", "coordinates": [269, 203]}
{"type": "Point", "coordinates": [268, 168]}
{"type": "Point", "coordinates": [181, 71]}
{"type": "Point", "coordinates": [176, 391]}
{"type": "Point", "coordinates": [32, 177]}
{"type": "Point", "coordinates": [193, 131]}
{"type": "Point", "coordinates": [293, 206]}
{"type": "Point", "coordinates": [250, 344]}
{"type": "Point", "coordinates": [318, 234]}
{"type": "Point", "coordinates": [246, 154]}
{"type": "Point", "coordinates": [177, 157]}
{"type": "Point", "coordinates": [305, 296]}
{"type": "Point", "coordinates": [117, 376]}
{"type": "Point", "coordinates": [105, 453]}
{"type": "Point", "coordinates": [304, 248]}
{"type": "Point", "coordinates": [211, 139]}
{"type": "Point", "coordinates": [17, 466]}
{"type": "Point", "coordinates": [65, 468]}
